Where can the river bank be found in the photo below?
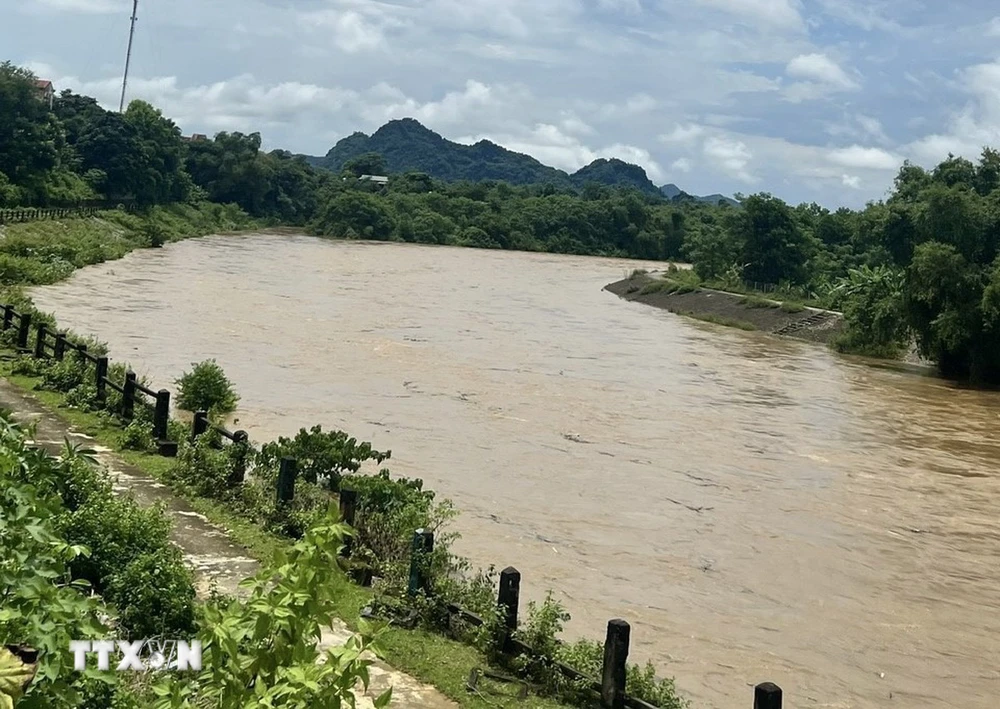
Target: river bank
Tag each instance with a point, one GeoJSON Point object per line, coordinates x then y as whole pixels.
{"type": "Point", "coordinates": [732, 309]}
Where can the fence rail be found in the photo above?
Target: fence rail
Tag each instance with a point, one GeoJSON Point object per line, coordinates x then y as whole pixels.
{"type": "Point", "coordinates": [611, 686]}
{"type": "Point", "coordinates": [31, 214]}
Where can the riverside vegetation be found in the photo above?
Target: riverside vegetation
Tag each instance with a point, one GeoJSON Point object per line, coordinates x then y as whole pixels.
{"type": "Point", "coordinates": [921, 266]}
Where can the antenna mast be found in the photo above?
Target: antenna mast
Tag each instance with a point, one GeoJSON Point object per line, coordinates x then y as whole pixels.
{"type": "Point", "coordinates": [128, 57]}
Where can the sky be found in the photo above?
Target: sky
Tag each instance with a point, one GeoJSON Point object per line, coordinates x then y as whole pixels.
{"type": "Point", "coordinates": [810, 100]}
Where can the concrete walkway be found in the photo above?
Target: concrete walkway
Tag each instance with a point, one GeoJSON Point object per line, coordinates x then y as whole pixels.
{"type": "Point", "coordinates": [210, 553]}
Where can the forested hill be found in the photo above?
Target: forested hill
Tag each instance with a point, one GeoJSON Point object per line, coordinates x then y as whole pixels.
{"type": "Point", "coordinates": [408, 146]}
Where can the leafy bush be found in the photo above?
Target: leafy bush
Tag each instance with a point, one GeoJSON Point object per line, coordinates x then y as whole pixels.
{"type": "Point", "coordinates": [154, 595]}
{"type": "Point", "coordinates": [206, 388]}
{"type": "Point", "coordinates": [270, 640]}
{"type": "Point", "coordinates": [320, 454]}
{"type": "Point", "coordinates": [389, 512]}
{"type": "Point", "coordinates": [138, 435]}
{"type": "Point", "coordinates": [540, 631]}
{"type": "Point", "coordinates": [117, 531]}
{"type": "Point", "coordinates": [40, 609]}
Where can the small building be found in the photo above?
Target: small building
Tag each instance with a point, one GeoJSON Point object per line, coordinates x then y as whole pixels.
{"type": "Point", "coordinates": [380, 180]}
{"type": "Point", "coordinates": [195, 138]}
{"type": "Point", "coordinates": [46, 92]}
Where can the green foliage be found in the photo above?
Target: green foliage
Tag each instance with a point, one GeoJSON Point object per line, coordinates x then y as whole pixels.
{"type": "Point", "coordinates": [541, 630]}
{"type": "Point", "coordinates": [131, 560]}
{"type": "Point", "coordinates": [873, 305]}
{"type": "Point", "coordinates": [320, 455]}
{"type": "Point", "coordinates": [263, 652]}
{"type": "Point", "coordinates": [154, 595]}
{"type": "Point", "coordinates": [206, 388]}
{"type": "Point", "coordinates": [39, 606]}
{"type": "Point", "coordinates": [203, 468]}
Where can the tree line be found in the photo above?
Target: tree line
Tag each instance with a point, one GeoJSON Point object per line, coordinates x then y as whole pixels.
{"type": "Point", "coordinates": [920, 266]}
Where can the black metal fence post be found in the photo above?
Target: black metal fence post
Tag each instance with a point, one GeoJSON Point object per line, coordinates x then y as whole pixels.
{"type": "Point", "coordinates": [348, 511]}
{"type": "Point", "coordinates": [241, 451]}
{"type": "Point", "coordinates": [101, 379]}
{"type": "Point", "coordinates": [40, 333]}
{"type": "Point", "coordinates": [508, 599]}
{"type": "Point", "coordinates": [286, 480]}
{"type": "Point", "coordinates": [8, 316]}
{"type": "Point", "coordinates": [767, 695]}
{"type": "Point", "coordinates": [161, 415]}
{"type": "Point", "coordinates": [23, 330]}
{"type": "Point", "coordinates": [615, 657]}
{"type": "Point", "coordinates": [59, 350]}
{"type": "Point", "coordinates": [420, 550]}
{"type": "Point", "coordinates": [199, 425]}
{"type": "Point", "coordinates": [128, 396]}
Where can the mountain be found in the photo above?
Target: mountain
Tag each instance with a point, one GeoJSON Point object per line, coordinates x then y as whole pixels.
{"type": "Point", "coordinates": [408, 146]}
{"type": "Point", "coordinates": [675, 193]}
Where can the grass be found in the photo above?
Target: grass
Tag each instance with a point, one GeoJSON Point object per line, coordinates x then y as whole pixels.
{"type": "Point", "coordinates": [48, 251]}
{"type": "Point", "coordinates": [432, 658]}
{"type": "Point", "coordinates": [791, 306]}
{"type": "Point", "coordinates": [754, 301]}
{"type": "Point", "coordinates": [721, 320]}
{"type": "Point", "coordinates": [667, 286]}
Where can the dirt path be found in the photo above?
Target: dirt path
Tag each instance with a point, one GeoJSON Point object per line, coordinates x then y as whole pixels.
{"type": "Point", "coordinates": [207, 548]}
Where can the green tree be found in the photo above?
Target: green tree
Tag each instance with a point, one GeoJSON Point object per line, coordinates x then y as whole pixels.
{"type": "Point", "coordinates": [161, 177]}
{"type": "Point", "coordinates": [30, 137]}
{"type": "Point", "coordinates": [367, 164]}
{"type": "Point", "coordinates": [367, 216]}
{"type": "Point", "coordinates": [772, 245]}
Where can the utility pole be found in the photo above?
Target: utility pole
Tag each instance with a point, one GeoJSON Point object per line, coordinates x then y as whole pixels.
{"type": "Point", "coordinates": [128, 57]}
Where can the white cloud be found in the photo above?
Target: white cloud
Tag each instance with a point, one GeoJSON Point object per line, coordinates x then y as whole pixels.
{"type": "Point", "coordinates": [819, 67]}
{"type": "Point", "coordinates": [993, 29]}
{"type": "Point", "coordinates": [553, 146]}
{"type": "Point", "coordinates": [783, 14]}
{"type": "Point", "coordinates": [683, 134]}
{"type": "Point", "coordinates": [681, 165]}
{"type": "Point", "coordinates": [730, 156]}
{"type": "Point", "coordinates": [864, 14]}
{"type": "Point", "coordinates": [93, 7]}
{"type": "Point", "coordinates": [861, 157]}
{"type": "Point", "coordinates": [350, 30]}
{"type": "Point", "coordinates": [852, 181]}
{"type": "Point", "coordinates": [970, 128]}
{"type": "Point", "coordinates": [633, 7]}
{"type": "Point", "coordinates": [873, 128]}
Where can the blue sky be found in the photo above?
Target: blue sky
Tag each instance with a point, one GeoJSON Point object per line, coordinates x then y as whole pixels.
{"type": "Point", "coordinates": [812, 100]}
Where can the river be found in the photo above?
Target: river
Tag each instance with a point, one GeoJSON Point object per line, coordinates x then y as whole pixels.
{"type": "Point", "coordinates": [758, 508]}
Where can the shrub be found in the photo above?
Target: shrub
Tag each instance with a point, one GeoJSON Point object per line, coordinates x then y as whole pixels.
{"type": "Point", "coordinates": [154, 595]}
{"type": "Point", "coordinates": [270, 641]}
{"type": "Point", "coordinates": [138, 435]}
{"type": "Point", "coordinates": [116, 530]}
{"type": "Point", "coordinates": [319, 454]}
{"type": "Point", "coordinates": [202, 468]}
{"type": "Point", "coordinates": [66, 375]}
{"type": "Point", "coordinates": [540, 632]}
{"type": "Point", "coordinates": [206, 388]}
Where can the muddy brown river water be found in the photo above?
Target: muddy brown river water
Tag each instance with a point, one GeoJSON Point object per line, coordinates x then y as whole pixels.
{"type": "Point", "coordinates": [757, 508]}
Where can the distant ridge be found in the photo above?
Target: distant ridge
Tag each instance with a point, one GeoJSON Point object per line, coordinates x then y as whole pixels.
{"type": "Point", "coordinates": [676, 194]}
{"type": "Point", "coordinates": [408, 146]}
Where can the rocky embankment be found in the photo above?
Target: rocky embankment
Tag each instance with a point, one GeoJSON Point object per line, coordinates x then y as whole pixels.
{"type": "Point", "coordinates": [746, 312]}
